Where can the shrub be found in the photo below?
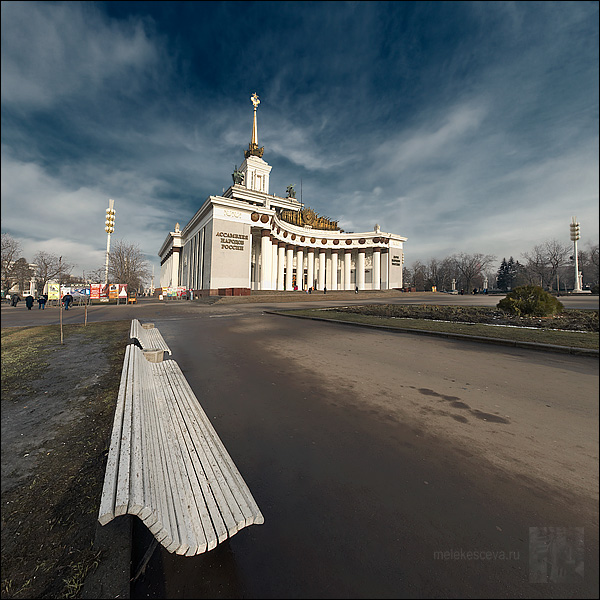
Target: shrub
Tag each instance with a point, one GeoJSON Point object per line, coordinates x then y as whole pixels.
{"type": "Point", "coordinates": [530, 300]}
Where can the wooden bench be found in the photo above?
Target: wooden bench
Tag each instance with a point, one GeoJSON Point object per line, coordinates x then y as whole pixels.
{"type": "Point", "coordinates": [167, 465]}
{"type": "Point", "coordinates": [148, 336]}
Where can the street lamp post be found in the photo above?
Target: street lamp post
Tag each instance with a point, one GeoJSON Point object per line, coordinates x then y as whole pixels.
{"type": "Point", "coordinates": [60, 297]}
{"type": "Point", "coordinates": [109, 228]}
{"type": "Point", "coordinates": [575, 235]}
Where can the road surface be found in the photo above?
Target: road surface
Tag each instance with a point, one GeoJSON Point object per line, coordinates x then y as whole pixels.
{"type": "Point", "coordinates": [380, 461]}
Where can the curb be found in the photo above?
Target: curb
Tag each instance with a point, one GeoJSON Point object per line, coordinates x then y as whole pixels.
{"type": "Point", "coordinates": [456, 336]}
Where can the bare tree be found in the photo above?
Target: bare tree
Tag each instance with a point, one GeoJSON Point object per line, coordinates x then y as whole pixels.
{"type": "Point", "coordinates": [587, 261]}
{"type": "Point", "coordinates": [557, 255]}
{"type": "Point", "coordinates": [46, 269]}
{"type": "Point", "coordinates": [544, 262]}
{"type": "Point", "coordinates": [96, 275]}
{"type": "Point", "coordinates": [470, 267]}
{"type": "Point", "coordinates": [407, 276]}
{"type": "Point", "coordinates": [593, 254]}
{"type": "Point", "coordinates": [127, 264]}
{"type": "Point", "coordinates": [22, 273]}
{"type": "Point", "coordinates": [10, 251]}
{"type": "Point", "coordinates": [419, 276]}
{"type": "Point", "coordinates": [536, 268]}
{"type": "Point", "coordinates": [441, 273]}
{"type": "Point", "coordinates": [436, 273]}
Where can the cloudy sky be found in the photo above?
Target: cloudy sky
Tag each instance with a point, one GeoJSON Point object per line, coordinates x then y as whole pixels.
{"type": "Point", "coordinates": [463, 126]}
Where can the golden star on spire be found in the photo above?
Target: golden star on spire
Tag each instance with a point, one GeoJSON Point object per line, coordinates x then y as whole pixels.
{"type": "Point", "coordinates": [253, 149]}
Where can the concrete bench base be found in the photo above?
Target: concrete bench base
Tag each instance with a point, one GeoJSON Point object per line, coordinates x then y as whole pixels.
{"type": "Point", "coordinates": [148, 336]}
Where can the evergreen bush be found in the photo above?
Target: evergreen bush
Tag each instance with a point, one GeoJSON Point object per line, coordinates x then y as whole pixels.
{"type": "Point", "coordinates": [530, 300]}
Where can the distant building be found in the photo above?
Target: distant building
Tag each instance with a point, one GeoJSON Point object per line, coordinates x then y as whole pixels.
{"type": "Point", "coordinates": [29, 286]}
{"type": "Point", "coordinates": [248, 239]}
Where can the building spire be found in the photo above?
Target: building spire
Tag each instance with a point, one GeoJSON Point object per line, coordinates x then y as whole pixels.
{"type": "Point", "coordinates": [255, 102]}
{"type": "Point", "coordinates": [253, 149]}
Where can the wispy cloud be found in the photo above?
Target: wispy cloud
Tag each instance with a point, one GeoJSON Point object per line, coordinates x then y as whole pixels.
{"type": "Point", "coordinates": [51, 52]}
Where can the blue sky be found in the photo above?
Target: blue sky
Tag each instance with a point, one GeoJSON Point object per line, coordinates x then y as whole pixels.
{"type": "Point", "coordinates": [463, 126]}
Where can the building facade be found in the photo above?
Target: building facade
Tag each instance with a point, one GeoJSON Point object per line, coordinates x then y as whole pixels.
{"type": "Point", "coordinates": [248, 239]}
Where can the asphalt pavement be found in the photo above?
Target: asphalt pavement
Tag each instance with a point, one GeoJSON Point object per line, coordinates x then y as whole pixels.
{"type": "Point", "coordinates": [383, 463]}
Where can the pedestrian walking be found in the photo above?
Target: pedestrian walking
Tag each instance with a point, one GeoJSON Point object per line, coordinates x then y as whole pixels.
{"type": "Point", "coordinates": [29, 302]}
{"type": "Point", "coordinates": [14, 299]}
{"type": "Point", "coordinates": [324, 289]}
{"type": "Point", "coordinates": [42, 302]}
{"type": "Point", "coordinates": [67, 299]}
{"type": "Point", "coordinates": [356, 290]}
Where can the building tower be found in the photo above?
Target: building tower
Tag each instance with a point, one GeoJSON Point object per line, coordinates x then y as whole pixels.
{"type": "Point", "coordinates": [256, 171]}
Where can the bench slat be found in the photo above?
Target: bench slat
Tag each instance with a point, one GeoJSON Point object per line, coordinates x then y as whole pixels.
{"type": "Point", "coordinates": [157, 521]}
{"type": "Point", "coordinates": [210, 515]}
{"type": "Point", "coordinates": [107, 503]}
{"type": "Point", "coordinates": [163, 501]}
{"type": "Point", "coordinates": [176, 490]}
{"type": "Point", "coordinates": [190, 525]}
{"type": "Point", "coordinates": [148, 513]}
{"type": "Point", "coordinates": [209, 451]}
{"type": "Point", "coordinates": [203, 449]}
{"type": "Point", "coordinates": [122, 494]}
{"type": "Point", "coordinates": [233, 477]}
{"type": "Point", "coordinates": [201, 523]}
{"type": "Point", "coordinates": [136, 500]}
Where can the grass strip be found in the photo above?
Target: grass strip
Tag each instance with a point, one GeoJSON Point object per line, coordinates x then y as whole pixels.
{"type": "Point", "coordinates": [572, 339]}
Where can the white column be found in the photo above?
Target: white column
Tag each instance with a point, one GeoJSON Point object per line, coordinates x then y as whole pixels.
{"type": "Point", "coordinates": [310, 267]}
{"type": "Point", "coordinates": [385, 279]}
{"type": "Point", "coordinates": [578, 278]}
{"type": "Point", "coordinates": [376, 268]}
{"type": "Point", "coordinates": [289, 266]}
{"type": "Point", "coordinates": [334, 270]}
{"type": "Point", "coordinates": [280, 265]}
{"type": "Point", "coordinates": [274, 252]}
{"type": "Point", "coordinates": [348, 269]}
{"type": "Point", "coordinates": [402, 272]}
{"type": "Point", "coordinates": [300, 267]}
{"type": "Point", "coordinates": [360, 269]}
{"type": "Point", "coordinates": [265, 259]}
{"type": "Point", "coordinates": [176, 258]}
{"type": "Point", "coordinates": [321, 269]}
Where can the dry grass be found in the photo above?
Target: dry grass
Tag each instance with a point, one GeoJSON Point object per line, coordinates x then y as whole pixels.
{"type": "Point", "coordinates": [49, 519]}
{"type": "Point", "coordinates": [575, 328]}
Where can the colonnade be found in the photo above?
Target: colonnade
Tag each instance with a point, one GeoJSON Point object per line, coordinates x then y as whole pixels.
{"type": "Point", "coordinates": [331, 267]}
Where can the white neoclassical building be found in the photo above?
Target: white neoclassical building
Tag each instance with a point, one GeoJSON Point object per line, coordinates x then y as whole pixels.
{"type": "Point", "coordinates": [248, 239]}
